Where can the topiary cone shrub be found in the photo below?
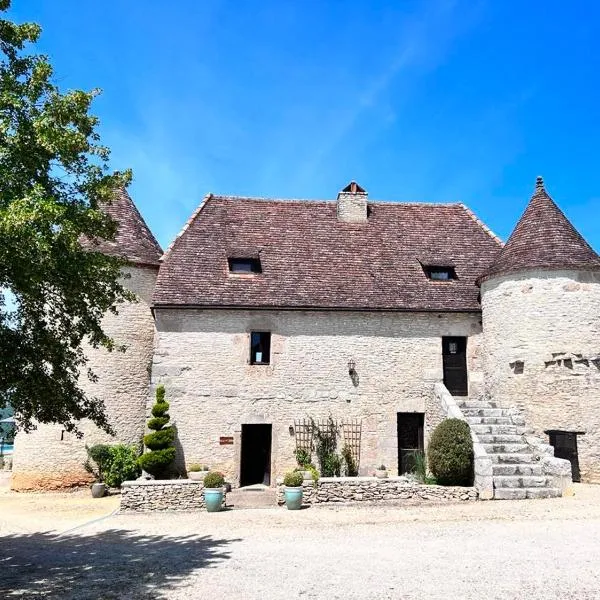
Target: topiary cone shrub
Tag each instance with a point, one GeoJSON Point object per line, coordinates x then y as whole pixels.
{"type": "Point", "coordinates": [160, 441]}
{"type": "Point", "coordinates": [450, 453]}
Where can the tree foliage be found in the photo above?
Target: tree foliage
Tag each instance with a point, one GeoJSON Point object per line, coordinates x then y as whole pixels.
{"type": "Point", "coordinates": [54, 176]}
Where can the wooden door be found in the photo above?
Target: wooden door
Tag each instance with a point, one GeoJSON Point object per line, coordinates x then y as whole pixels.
{"type": "Point", "coordinates": [565, 446]}
{"type": "Point", "coordinates": [256, 455]}
{"type": "Point", "coordinates": [454, 353]}
{"type": "Point", "coordinates": [410, 439]}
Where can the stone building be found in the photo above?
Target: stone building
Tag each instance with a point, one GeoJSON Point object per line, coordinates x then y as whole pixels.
{"type": "Point", "coordinates": [268, 313]}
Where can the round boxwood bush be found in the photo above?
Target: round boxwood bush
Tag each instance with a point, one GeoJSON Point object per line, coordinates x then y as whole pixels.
{"type": "Point", "coordinates": [293, 479]}
{"type": "Point", "coordinates": [450, 453]}
{"type": "Point", "coordinates": [214, 479]}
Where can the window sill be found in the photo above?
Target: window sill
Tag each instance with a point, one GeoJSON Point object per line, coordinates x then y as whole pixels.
{"type": "Point", "coordinates": [260, 364]}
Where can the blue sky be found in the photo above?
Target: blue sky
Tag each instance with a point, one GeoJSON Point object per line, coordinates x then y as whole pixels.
{"type": "Point", "coordinates": [432, 100]}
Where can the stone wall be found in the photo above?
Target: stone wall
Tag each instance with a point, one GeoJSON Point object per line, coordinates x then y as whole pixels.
{"type": "Point", "coordinates": [50, 458]}
{"type": "Point", "coordinates": [542, 353]}
{"type": "Point", "coordinates": [202, 358]}
{"type": "Point", "coordinates": [172, 494]}
{"type": "Point", "coordinates": [371, 489]}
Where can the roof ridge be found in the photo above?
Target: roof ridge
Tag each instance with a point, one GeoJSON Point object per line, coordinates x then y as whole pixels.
{"type": "Point", "coordinates": [481, 224]}
{"type": "Point", "coordinates": [190, 220]}
{"type": "Point", "coordinates": [327, 201]}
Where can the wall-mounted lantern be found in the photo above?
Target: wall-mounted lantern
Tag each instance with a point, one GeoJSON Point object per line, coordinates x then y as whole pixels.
{"type": "Point", "coordinates": [352, 372]}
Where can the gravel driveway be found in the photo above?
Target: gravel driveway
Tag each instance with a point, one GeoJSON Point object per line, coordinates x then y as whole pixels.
{"type": "Point", "coordinates": [486, 550]}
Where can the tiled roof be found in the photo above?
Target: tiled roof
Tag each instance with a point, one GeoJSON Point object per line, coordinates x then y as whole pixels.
{"type": "Point", "coordinates": [310, 259]}
{"type": "Point", "coordinates": [134, 240]}
{"type": "Point", "coordinates": [543, 239]}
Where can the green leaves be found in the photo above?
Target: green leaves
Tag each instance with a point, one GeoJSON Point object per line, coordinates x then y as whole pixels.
{"type": "Point", "coordinates": [54, 177]}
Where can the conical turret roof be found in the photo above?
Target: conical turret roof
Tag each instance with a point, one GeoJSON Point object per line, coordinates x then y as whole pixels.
{"type": "Point", "coordinates": [543, 239]}
{"type": "Point", "coordinates": [134, 240]}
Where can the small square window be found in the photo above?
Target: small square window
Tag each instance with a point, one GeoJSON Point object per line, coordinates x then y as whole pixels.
{"type": "Point", "coordinates": [260, 348]}
{"type": "Point", "coordinates": [244, 265]}
{"type": "Point", "coordinates": [440, 273]}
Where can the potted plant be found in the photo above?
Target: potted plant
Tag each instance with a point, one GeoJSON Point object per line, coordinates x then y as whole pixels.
{"type": "Point", "coordinates": [381, 472]}
{"type": "Point", "coordinates": [213, 491]}
{"type": "Point", "coordinates": [197, 472]}
{"type": "Point", "coordinates": [305, 467]}
{"type": "Point", "coordinates": [293, 490]}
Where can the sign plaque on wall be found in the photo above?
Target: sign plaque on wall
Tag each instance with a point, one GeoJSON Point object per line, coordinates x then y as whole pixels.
{"type": "Point", "coordinates": [226, 441]}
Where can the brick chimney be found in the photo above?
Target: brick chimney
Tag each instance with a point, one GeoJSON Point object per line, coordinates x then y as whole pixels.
{"type": "Point", "coordinates": [352, 204]}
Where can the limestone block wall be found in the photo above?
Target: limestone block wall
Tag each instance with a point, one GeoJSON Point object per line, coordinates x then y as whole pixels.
{"type": "Point", "coordinates": [371, 489]}
{"type": "Point", "coordinates": [49, 457]}
{"type": "Point", "coordinates": [174, 494]}
{"type": "Point", "coordinates": [203, 359]}
{"type": "Point", "coordinates": [542, 353]}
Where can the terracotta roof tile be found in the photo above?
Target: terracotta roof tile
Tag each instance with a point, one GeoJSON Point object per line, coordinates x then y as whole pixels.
{"type": "Point", "coordinates": [134, 240]}
{"type": "Point", "coordinates": [310, 259]}
{"type": "Point", "coordinates": [543, 239]}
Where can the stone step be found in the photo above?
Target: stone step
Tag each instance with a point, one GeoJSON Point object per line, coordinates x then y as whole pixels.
{"type": "Point", "coordinates": [485, 428]}
{"type": "Point", "coordinates": [486, 412]}
{"type": "Point", "coordinates": [489, 420]}
{"type": "Point", "coordinates": [522, 493]}
{"type": "Point", "coordinates": [505, 448]}
{"type": "Point", "coordinates": [258, 496]}
{"type": "Point", "coordinates": [520, 481]}
{"type": "Point", "coordinates": [547, 492]}
{"type": "Point", "coordinates": [510, 469]}
{"type": "Point", "coordinates": [477, 404]}
{"type": "Point", "coordinates": [500, 438]}
{"type": "Point", "coordinates": [512, 458]}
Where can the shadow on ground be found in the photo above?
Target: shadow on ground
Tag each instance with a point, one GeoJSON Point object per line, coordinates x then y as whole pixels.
{"type": "Point", "coordinates": [111, 564]}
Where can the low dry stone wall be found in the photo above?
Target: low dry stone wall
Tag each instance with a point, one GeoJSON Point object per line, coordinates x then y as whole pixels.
{"type": "Point", "coordinates": [175, 494]}
{"type": "Point", "coordinates": [371, 489]}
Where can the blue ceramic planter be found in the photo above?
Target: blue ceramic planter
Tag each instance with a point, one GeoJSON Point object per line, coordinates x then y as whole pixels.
{"type": "Point", "coordinates": [293, 497]}
{"type": "Point", "coordinates": [213, 498]}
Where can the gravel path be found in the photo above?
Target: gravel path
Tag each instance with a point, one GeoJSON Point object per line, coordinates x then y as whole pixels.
{"type": "Point", "coordinates": [487, 550]}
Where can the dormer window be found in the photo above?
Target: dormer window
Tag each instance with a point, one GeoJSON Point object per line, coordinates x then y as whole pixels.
{"type": "Point", "coordinates": [244, 265]}
{"type": "Point", "coordinates": [436, 273]}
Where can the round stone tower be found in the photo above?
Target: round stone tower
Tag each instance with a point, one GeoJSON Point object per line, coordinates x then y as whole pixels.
{"type": "Point", "coordinates": [541, 323]}
{"type": "Point", "coordinates": [50, 458]}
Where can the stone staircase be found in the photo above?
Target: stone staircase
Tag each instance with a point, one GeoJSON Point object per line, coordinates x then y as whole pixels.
{"type": "Point", "coordinates": [517, 474]}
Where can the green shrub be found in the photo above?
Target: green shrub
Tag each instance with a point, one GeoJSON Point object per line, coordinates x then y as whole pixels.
{"type": "Point", "coordinates": [98, 460]}
{"type": "Point", "coordinates": [157, 440]}
{"type": "Point", "coordinates": [350, 466]}
{"type": "Point", "coordinates": [302, 457]}
{"type": "Point", "coordinates": [156, 423]}
{"type": "Point", "coordinates": [157, 461]}
{"type": "Point", "coordinates": [160, 441]}
{"type": "Point", "coordinates": [123, 465]}
{"type": "Point", "coordinates": [326, 444]}
{"type": "Point", "coordinates": [194, 468]}
{"type": "Point", "coordinates": [450, 453]}
{"type": "Point", "coordinates": [419, 469]}
{"type": "Point", "coordinates": [214, 479]}
{"type": "Point", "coordinates": [293, 479]}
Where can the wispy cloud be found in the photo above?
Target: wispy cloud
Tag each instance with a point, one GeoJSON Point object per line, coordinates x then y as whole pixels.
{"type": "Point", "coordinates": [424, 40]}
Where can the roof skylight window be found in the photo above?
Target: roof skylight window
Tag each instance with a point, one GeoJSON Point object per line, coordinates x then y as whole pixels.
{"type": "Point", "coordinates": [244, 265]}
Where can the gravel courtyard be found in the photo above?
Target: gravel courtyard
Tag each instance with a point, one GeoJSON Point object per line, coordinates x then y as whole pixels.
{"type": "Point", "coordinates": [69, 546]}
